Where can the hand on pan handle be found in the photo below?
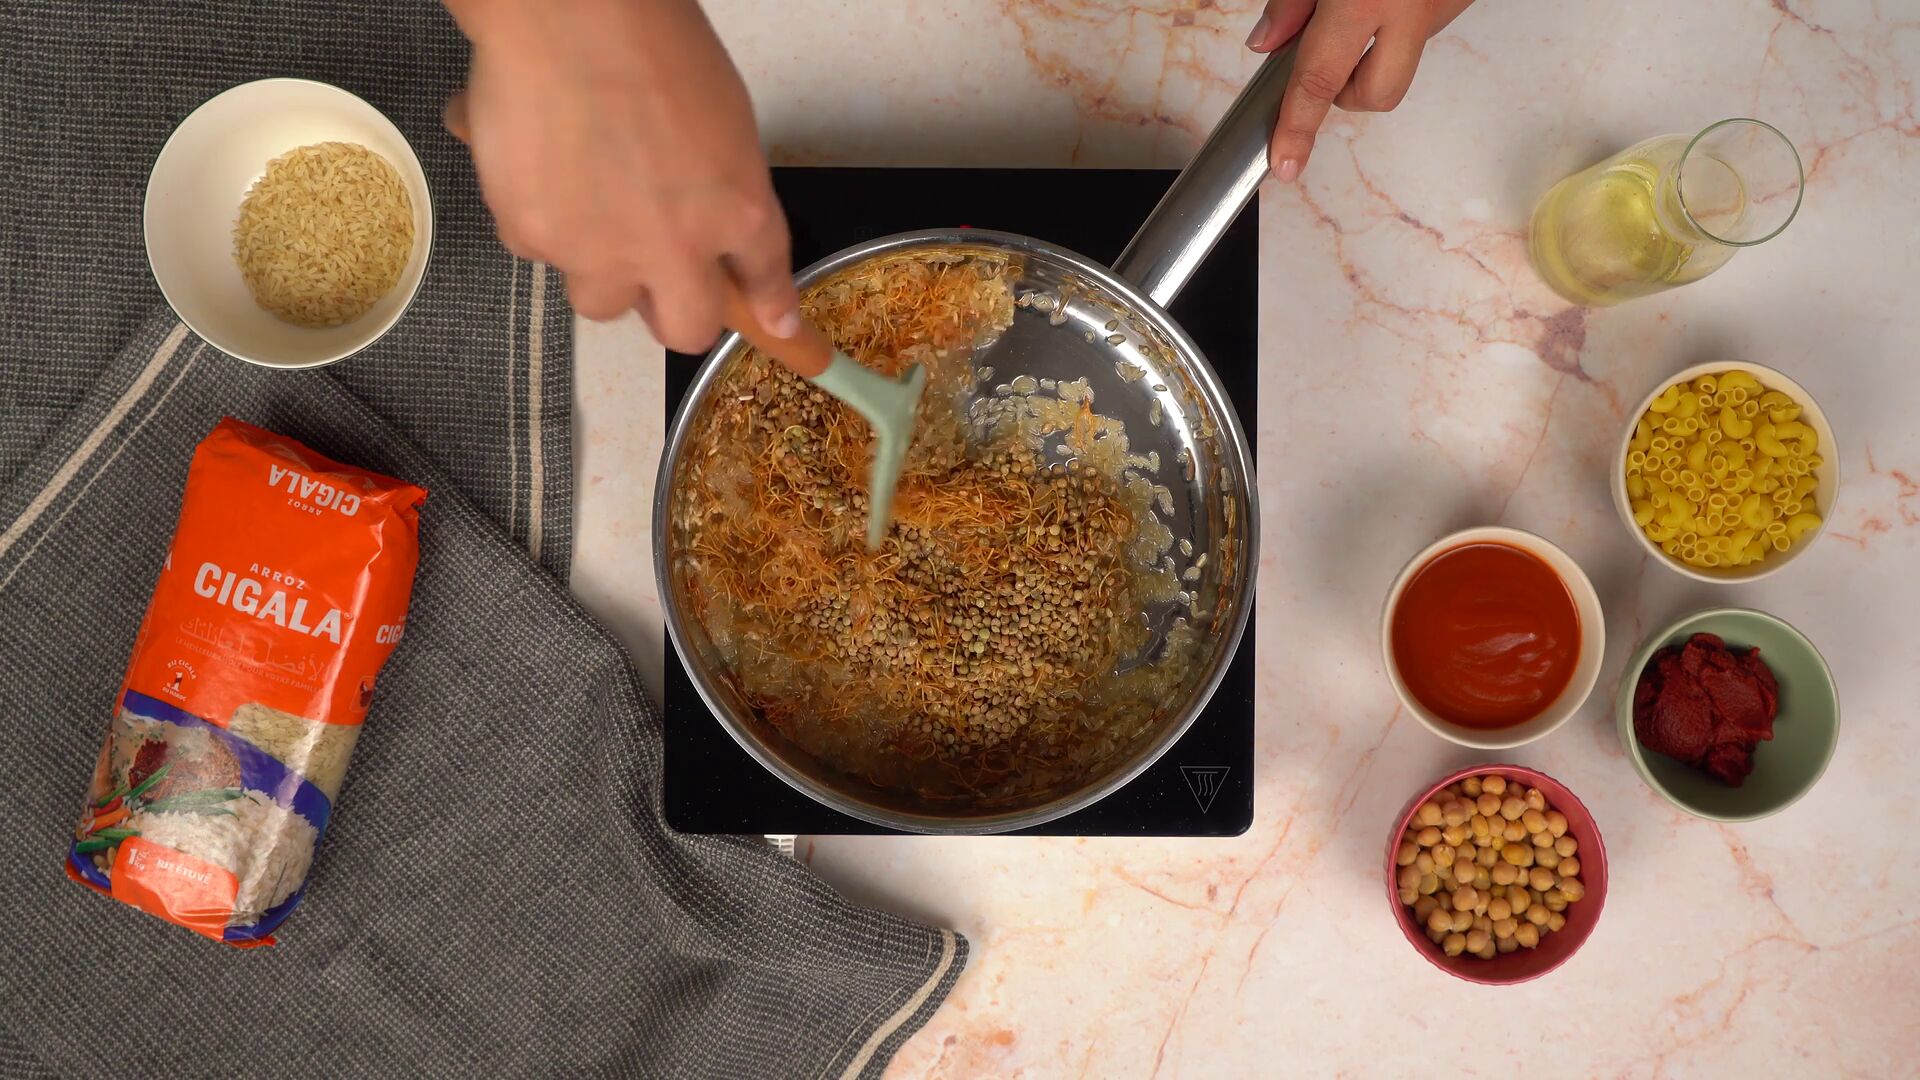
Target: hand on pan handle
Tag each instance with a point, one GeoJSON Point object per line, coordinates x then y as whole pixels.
{"type": "Point", "coordinates": [615, 141]}
{"type": "Point", "coordinates": [1336, 66]}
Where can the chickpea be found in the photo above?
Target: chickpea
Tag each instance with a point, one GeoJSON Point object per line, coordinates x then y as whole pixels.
{"type": "Point", "coordinates": [1499, 910]}
{"type": "Point", "coordinates": [1572, 889]}
{"type": "Point", "coordinates": [1504, 928]}
{"type": "Point", "coordinates": [1528, 935]}
{"type": "Point", "coordinates": [1536, 800]}
{"type": "Point", "coordinates": [1423, 862]}
{"type": "Point", "coordinates": [1479, 827]}
{"type": "Point", "coordinates": [1477, 939]}
{"type": "Point", "coordinates": [1542, 841]}
{"type": "Point", "coordinates": [1483, 924]}
{"type": "Point", "coordinates": [1481, 879]}
{"type": "Point", "coordinates": [1409, 877]}
{"type": "Point", "coordinates": [1520, 899]}
{"type": "Point", "coordinates": [1488, 804]}
{"type": "Point", "coordinates": [1488, 858]}
{"type": "Point", "coordinates": [1566, 845]}
{"type": "Point", "coordinates": [1429, 814]}
{"type": "Point", "coordinates": [1429, 836]}
{"type": "Point", "coordinates": [1534, 820]}
{"type": "Point", "coordinates": [1541, 878]}
{"type": "Point", "coordinates": [1406, 854]}
{"type": "Point", "coordinates": [1486, 953]}
{"type": "Point", "coordinates": [1482, 898]}
{"type": "Point", "coordinates": [1456, 835]}
{"type": "Point", "coordinates": [1506, 945]}
{"type": "Point", "coordinates": [1513, 853]}
{"type": "Point", "coordinates": [1512, 807]}
{"type": "Point", "coordinates": [1504, 874]}
{"type": "Point", "coordinates": [1408, 894]}
{"type": "Point", "coordinates": [1526, 855]}
{"type": "Point", "coordinates": [1424, 907]}
{"type": "Point", "coordinates": [1440, 922]}
{"type": "Point", "coordinates": [1538, 915]}
{"type": "Point", "coordinates": [1454, 944]}
{"type": "Point", "coordinates": [1494, 784]}
{"type": "Point", "coordinates": [1556, 922]}
{"type": "Point", "coordinates": [1512, 832]}
{"type": "Point", "coordinates": [1441, 856]}
{"type": "Point", "coordinates": [1569, 867]}
{"type": "Point", "coordinates": [1554, 899]}
{"type": "Point", "coordinates": [1455, 813]}
{"type": "Point", "coordinates": [1546, 857]}
{"type": "Point", "coordinates": [1428, 885]}
{"type": "Point", "coordinates": [1463, 870]}
{"type": "Point", "coordinates": [1556, 823]}
{"type": "Point", "coordinates": [1462, 921]}
{"type": "Point", "coordinates": [1463, 898]}
{"type": "Point", "coordinates": [1436, 936]}
{"type": "Point", "coordinates": [1470, 786]}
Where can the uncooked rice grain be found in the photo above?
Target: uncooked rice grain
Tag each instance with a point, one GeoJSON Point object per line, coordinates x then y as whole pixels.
{"type": "Point", "coordinates": [265, 845]}
{"type": "Point", "coordinates": [324, 234]}
{"type": "Point", "coordinates": [315, 749]}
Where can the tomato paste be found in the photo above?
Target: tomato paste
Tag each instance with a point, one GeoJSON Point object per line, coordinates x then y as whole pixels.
{"type": "Point", "coordinates": [1706, 705]}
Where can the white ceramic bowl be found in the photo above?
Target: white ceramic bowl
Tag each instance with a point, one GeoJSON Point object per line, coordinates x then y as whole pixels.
{"type": "Point", "coordinates": [193, 199]}
{"type": "Point", "coordinates": [1593, 640]}
{"type": "Point", "coordinates": [1827, 475]}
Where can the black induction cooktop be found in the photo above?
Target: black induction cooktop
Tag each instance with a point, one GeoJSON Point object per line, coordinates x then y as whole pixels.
{"type": "Point", "coordinates": [1203, 785]}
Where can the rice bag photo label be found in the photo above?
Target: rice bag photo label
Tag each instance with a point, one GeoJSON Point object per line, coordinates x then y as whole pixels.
{"type": "Point", "coordinates": [283, 593]}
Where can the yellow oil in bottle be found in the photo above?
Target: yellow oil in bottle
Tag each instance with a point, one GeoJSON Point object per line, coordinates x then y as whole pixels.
{"type": "Point", "coordinates": [1617, 230]}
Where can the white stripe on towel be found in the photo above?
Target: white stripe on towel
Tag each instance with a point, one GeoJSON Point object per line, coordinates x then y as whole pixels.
{"type": "Point", "coordinates": [906, 1011]}
{"type": "Point", "coordinates": [513, 396]}
{"type": "Point", "coordinates": [536, 315]}
{"type": "Point", "coordinates": [91, 444]}
{"type": "Point", "coordinates": [112, 456]}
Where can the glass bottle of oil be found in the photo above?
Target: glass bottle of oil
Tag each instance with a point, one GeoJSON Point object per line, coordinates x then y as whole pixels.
{"type": "Point", "coordinates": [1665, 212]}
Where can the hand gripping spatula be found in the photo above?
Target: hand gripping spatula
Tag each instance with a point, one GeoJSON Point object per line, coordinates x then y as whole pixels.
{"type": "Point", "coordinates": [888, 405]}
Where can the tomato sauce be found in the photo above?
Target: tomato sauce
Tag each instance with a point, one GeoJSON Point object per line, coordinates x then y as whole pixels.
{"type": "Point", "coordinates": [1486, 635]}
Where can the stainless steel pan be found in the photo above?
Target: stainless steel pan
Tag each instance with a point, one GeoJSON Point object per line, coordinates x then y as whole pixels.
{"type": "Point", "coordinates": [1076, 319]}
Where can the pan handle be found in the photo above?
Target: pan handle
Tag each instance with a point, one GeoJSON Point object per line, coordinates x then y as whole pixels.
{"type": "Point", "coordinates": [1211, 191]}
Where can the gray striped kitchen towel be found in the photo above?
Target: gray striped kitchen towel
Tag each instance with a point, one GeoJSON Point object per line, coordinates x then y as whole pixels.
{"type": "Point", "coordinates": [499, 894]}
{"type": "Point", "coordinates": [478, 373]}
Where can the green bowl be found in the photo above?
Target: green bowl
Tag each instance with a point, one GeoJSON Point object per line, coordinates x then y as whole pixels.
{"type": "Point", "coordinates": [1804, 734]}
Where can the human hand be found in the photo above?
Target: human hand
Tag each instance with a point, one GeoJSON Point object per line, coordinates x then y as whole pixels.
{"type": "Point", "coordinates": [615, 141]}
{"type": "Point", "coordinates": [1331, 68]}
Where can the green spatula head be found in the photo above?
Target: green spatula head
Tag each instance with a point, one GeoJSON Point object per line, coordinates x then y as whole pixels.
{"type": "Point", "coordinates": [889, 406]}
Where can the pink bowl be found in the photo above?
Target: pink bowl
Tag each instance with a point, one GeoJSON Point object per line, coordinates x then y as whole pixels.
{"type": "Point", "coordinates": [1554, 949]}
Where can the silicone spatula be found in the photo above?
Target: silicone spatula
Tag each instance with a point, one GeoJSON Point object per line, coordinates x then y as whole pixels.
{"type": "Point", "coordinates": [887, 404]}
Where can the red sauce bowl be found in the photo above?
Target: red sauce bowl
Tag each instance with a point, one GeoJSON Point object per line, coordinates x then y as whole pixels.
{"type": "Point", "coordinates": [1554, 949]}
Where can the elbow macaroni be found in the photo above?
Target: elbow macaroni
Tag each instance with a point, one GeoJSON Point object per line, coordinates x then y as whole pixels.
{"type": "Point", "coordinates": [1720, 471]}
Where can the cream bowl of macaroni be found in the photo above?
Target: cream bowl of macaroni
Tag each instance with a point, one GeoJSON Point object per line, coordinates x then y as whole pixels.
{"type": "Point", "coordinates": [1726, 472]}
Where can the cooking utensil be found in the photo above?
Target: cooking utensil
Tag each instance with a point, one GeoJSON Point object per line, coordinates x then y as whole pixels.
{"type": "Point", "coordinates": [193, 198]}
{"type": "Point", "coordinates": [886, 404]}
{"type": "Point", "coordinates": [1074, 319]}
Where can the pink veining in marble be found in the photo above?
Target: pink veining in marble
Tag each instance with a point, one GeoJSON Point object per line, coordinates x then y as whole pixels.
{"type": "Point", "coordinates": [1416, 378]}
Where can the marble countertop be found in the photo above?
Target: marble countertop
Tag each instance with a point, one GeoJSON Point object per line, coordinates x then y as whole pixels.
{"type": "Point", "coordinates": [1416, 378]}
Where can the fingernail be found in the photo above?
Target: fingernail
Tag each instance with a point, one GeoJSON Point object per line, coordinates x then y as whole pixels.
{"type": "Point", "coordinates": [1259, 33]}
{"type": "Point", "coordinates": [1288, 171]}
{"type": "Point", "coordinates": [785, 326]}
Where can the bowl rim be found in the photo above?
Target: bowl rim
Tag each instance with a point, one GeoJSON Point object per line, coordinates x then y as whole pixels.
{"type": "Point", "coordinates": [1593, 640]}
{"type": "Point", "coordinates": [1596, 843]}
{"type": "Point", "coordinates": [147, 211]}
{"type": "Point", "coordinates": [1773, 379]}
{"type": "Point", "coordinates": [1630, 678]}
